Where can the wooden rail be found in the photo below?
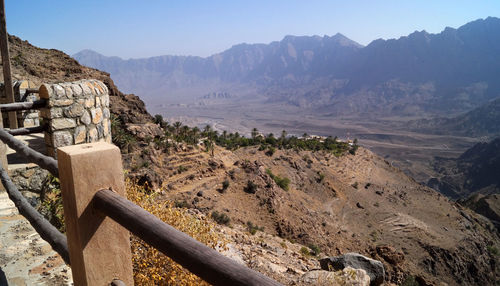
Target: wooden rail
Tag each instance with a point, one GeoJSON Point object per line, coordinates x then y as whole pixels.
{"type": "Point", "coordinates": [46, 162]}
{"type": "Point", "coordinates": [27, 130]}
{"type": "Point", "coordinates": [46, 230]}
{"type": "Point", "coordinates": [37, 104]}
{"type": "Point", "coordinates": [201, 260]}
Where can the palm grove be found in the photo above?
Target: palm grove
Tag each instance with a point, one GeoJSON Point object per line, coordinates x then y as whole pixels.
{"type": "Point", "coordinates": [177, 133]}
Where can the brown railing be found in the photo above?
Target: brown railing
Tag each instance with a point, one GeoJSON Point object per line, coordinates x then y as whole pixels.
{"type": "Point", "coordinates": [201, 260]}
{"type": "Point", "coordinates": [98, 219]}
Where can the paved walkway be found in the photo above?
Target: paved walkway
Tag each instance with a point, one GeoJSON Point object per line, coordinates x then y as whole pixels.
{"type": "Point", "coordinates": [25, 258]}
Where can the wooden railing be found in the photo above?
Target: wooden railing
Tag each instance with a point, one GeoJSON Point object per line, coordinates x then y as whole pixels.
{"type": "Point", "coordinates": [98, 219]}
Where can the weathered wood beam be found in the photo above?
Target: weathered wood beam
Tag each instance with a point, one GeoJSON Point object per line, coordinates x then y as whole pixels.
{"type": "Point", "coordinates": [198, 258]}
{"type": "Point", "coordinates": [7, 76]}
{"type": "Point", "coordinates": [99, 248]}
{"type": "Point", "coordinates": [27, 130]}
{"type": "Point", "coordinates": [27, 105]}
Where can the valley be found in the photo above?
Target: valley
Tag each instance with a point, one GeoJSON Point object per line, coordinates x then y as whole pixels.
{"type": "Point", "coordinates": [412, 151]}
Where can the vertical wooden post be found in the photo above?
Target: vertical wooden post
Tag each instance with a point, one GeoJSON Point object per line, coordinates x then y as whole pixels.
{"type": "Point", "coordinates": [7, 77]}
{"type": "Point", "coordinates": [3, 154]}
{"type": "Point", "coordinates": [99, 248]}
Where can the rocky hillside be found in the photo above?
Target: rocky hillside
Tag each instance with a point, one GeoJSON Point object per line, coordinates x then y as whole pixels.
{"type": "Point", "coordinates": [331, 204]}
{"type": "Point", "coordinates": [486, 205]}
{"type": "Point", "coordinates": [481, 121]}
{"type": "Point", "coordinates": [475, 171]}
{"type": "Point", "coordinates": [48, 66]}
{"type": "Point", "coordinates": [349, 204]}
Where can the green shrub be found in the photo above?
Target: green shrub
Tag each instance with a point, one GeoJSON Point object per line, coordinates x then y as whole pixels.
{"type": "Point", "coordinates": [181, 169]}
{"type": "Point", "coordinates": [315, 250]}
{"type": "Point", "coordinates": [493, 250]}
{"type": "Point", "coordinates": [225, 185]}
{"type": "Point", "coordinates": [355, 185]}
{"type": "Point", "coordinates": [270, 151]}
{"type": "Point", "coordinates": [321, 177]}
{"type": "Point", "coordinates": [220, 218]}
{"type": "Point", "coordinates": [181, 204]}
{"type": "Point", "coordinates": [304, 251]}
{"type": "Point", "coordinates": [282, 182]}
{"type": "Point", "coordinates": [250, 188]}
{"type": "Point", "coordinates": [252, 229]}
{"type": "Point", "coordinates": [410, 281]}
{"type": "Point", "coordinates": [52, 206]}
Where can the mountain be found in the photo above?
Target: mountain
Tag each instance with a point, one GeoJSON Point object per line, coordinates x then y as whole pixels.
{"type": "Point", "coordinates": [481, 121]}
{"type": "Point", "coordinates": [453, 71]}
{"type": "Point", "coordinates": [486, 205]}
{"type": "Point", "coordinates": [475, 171]}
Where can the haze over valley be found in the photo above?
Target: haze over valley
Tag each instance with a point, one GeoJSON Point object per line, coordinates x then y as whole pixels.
{"type": "Point", "coordinates": [408, 99]}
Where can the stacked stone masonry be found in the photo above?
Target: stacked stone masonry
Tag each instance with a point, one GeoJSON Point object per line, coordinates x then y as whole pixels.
{"type": "Point", "coordinates": [77, 113]}
{"type": "Point", "coordinates": [25, 118]}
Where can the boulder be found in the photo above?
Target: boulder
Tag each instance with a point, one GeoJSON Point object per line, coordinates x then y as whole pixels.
{"type": "Point", "coordinates": [347, 276]}
{"type": "Point", "coordinates": [142, 131]}
{"type": "Point", "coordinates": [374, 268]}
{"type": "Point", "coordinates": [390, 254]}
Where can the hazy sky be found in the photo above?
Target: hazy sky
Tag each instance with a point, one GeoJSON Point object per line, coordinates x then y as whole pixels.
{"type": "Point", "coordinates": [146, 28]}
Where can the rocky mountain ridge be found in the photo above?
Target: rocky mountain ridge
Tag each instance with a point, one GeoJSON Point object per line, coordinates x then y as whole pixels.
{"type": "Point", "coordinates": [452, 72]}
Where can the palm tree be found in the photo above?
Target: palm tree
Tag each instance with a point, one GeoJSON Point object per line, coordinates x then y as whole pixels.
{"type": "Point", "coordinates": [184, 131]}
{"type": "Point", "coordinates": [177, 126]}
{"type": "Point", "coordinates": [255, 132]}
{"type": "Point", "coordinates": [207, 130]}
{"type": "Point", "coordinates": [283, 134]}
{"type": "Point", "coordinates": [195, 133]}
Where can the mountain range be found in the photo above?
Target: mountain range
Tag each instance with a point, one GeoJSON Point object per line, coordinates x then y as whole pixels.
{"type": "Point", "coordinates": [446, 73]}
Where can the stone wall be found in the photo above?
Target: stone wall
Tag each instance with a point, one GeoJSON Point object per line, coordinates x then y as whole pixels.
{"type": "Point", "coordinates": [77, 112]}
{"type": "Point", "coordinates": [25, 118]}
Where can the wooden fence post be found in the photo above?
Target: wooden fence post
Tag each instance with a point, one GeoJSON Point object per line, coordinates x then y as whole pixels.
{"type": "Point", "coordinates": [99, 248]}
{"type": "Point", "coordinates": [3, 154]}
{"type": "Point", "coordinates": [7, 77]}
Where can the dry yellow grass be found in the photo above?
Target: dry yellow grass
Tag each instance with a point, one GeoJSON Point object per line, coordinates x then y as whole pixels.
{"type": "Point", "coordinates": [154, 268]}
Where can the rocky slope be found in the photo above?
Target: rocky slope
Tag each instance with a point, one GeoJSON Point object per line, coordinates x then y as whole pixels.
{"type": "Point", "coordinates": [48, 66]}
{"type": "Point", "coordinates": [475, 171]}
{"type": "Point", "coordinates": [486, 205]}
{"type": "Point", "coordinates": [334, 205]}
{"type": "Point", "coordinates": [481, 121]}
{"type": "Point", "coordinates": [361, 204]}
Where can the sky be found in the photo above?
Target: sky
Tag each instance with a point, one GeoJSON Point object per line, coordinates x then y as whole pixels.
{"type": "Point", "coordinates": [138, 29]}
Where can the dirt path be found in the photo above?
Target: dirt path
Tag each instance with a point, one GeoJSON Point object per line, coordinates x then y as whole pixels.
{"type": "Point", "coordinates": [25, 258]}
